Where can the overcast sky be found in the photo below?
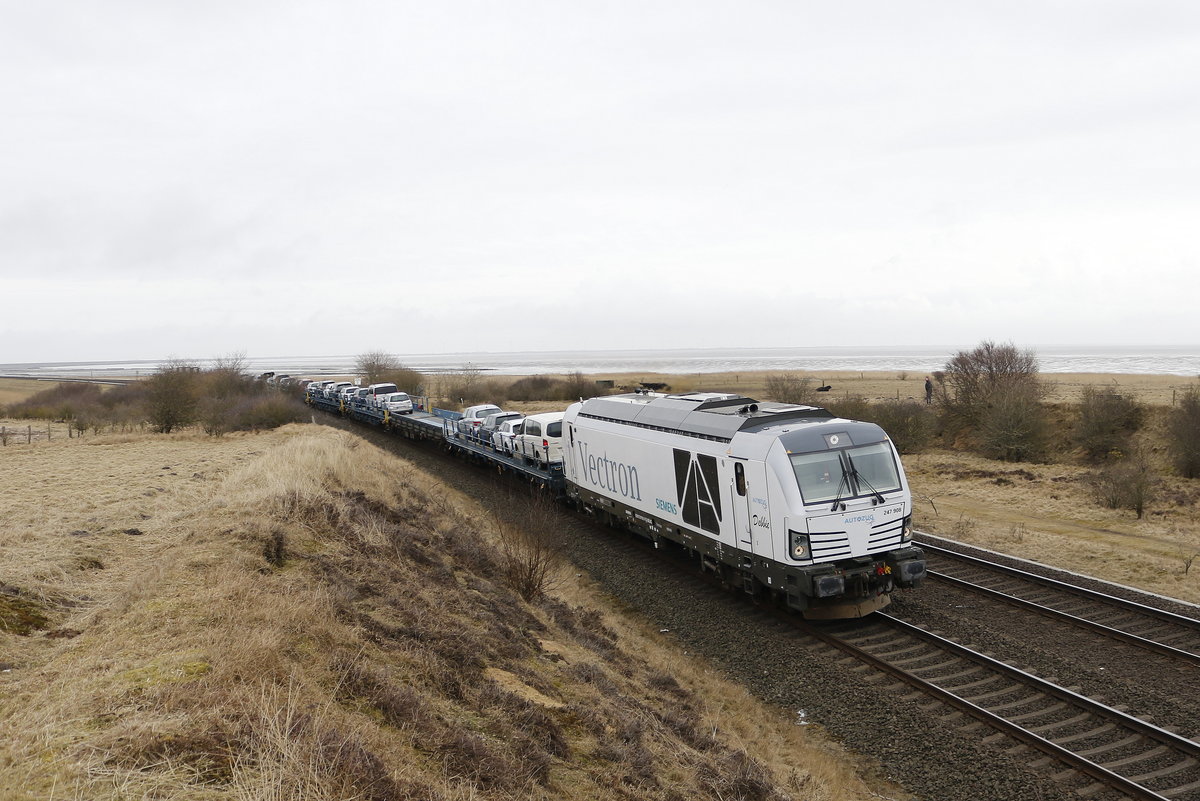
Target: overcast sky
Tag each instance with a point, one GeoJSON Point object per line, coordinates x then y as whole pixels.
{"type": "Point", "coordinates": [319, 178]}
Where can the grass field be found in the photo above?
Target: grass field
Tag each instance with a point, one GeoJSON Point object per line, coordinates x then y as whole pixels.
{"type": "Point", "coordinates": [13, 390]}
{"type": "Point", "coordinates": [299, 615]}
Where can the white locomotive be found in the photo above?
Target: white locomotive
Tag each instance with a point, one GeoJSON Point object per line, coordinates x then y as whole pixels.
{"type": "Point", "coordinates": [777, 499]}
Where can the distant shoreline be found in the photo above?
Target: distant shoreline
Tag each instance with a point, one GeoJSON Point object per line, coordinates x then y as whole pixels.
{"type": "Point", "coordinates": [1157, 360]}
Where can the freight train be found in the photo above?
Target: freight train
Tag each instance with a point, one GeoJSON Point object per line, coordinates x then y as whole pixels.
{"type": "Point", "coordinates": [782, 501]}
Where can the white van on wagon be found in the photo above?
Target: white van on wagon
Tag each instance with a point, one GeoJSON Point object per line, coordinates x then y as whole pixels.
{"type": "Point", "coordinates": [540, 439]}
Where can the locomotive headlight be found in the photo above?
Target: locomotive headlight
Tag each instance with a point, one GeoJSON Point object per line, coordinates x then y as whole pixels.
{"type": "Point", "coordinates": [906, 530]}
{"type": "Point", "coordinates": [799, 544]}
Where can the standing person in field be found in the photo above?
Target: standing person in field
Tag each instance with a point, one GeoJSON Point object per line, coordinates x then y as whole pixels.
{"type": "Point", "coordinates": [928, 390]}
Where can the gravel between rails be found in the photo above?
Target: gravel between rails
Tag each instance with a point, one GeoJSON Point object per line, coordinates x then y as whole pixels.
{"type": "Point", "coordinates": [921, 749]}
{"type": "Point", "coordinates": [1154, 687]}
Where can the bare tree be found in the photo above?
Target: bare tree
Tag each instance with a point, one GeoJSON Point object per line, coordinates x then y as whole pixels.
{"type": "Point", "coordinates": [994, 392]}
{"type": "Point", "coordinates": [172, 395]}
{"type": "Point", "coordinates": [374, 365]}
{"type": "Point", "coordinates": [972, 378]}
{"type": "Point", "coordinates": [377, 366]}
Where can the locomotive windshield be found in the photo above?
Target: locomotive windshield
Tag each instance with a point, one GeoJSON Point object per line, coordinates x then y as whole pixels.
{"type": "Point", "coordinates": [848, 473]}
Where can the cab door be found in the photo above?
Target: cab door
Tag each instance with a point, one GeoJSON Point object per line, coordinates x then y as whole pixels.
{"type": "Point", "coordinates": [739, 493]}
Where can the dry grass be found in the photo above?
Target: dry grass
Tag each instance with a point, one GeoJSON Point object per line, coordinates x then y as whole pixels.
{"type": "Point", "coordinates": [1158, 390]}
{"type": "Point", "coordinates": [877, 386]}
{"type": "Point", "coordinates": [298, 615]}
{"type": "Point", "coordinates": [1048, 513]}
{"type": "Point", "coordinates": [14, 390]}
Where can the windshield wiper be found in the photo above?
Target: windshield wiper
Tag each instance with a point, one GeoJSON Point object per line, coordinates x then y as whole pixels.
{"type": "Point", "coordinates": [845, 482]}
{"type": "Point", "coordinates": [863, 479]}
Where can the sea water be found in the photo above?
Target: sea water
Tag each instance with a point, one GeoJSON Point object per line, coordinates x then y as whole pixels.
{"type": "Point", "coordinates": [1167, 360]}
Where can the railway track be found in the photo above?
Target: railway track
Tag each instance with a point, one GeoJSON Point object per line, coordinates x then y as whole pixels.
{"type": "Point", "coordinates": [1117, 752]}
{"type": "Point", "coordinates": [1130, 622]}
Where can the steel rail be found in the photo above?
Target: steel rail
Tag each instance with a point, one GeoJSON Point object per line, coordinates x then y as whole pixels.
{"type": "Point", "coordinates": [1131, 606]}
{"type": "Point", "coordinates": [1050, 612]}
{"type": "Point", "coordinates": [1085, 766]}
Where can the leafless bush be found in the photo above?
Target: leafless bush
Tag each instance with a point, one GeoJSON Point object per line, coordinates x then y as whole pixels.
{"type": "Point", "coordinates": [1183, 429]}
{"type": "Point", "coordinates": [377, 366]}
{"type": "Point", "coordinates": [851, 407]}
{"type": "Point", "coordinates": [172, 396]}
{"type": "Point", "coordinates": [529, 547]}
{"type": "Point", "coordinates": [790, 388]}
{"type": "Point", "coordinates": [993, 391]}
{"type": "Point", "coordinates": [910, 424]}
{"type": "Point", "coordinates": [1107, 418]}
{"type": "Point", "coordinates": [464, 386]}
{"type": "Point", "coordinates": [62, 402]}
{"type": "Point", "coordinates": [1127, 483]}
{"type": "Point", "coordinates": [1013, 425]}
{"type": "Point", "coordinates": [260, 413]}
{"type": "Point", "coordinates": [538, 387]}
{"type": "Point", "coordinates": [736, 775]}
{"type": "Point", "coordinates": [963, 527]}
{"type": "Point", "coordinates": [579, 386]}
{"type": "Point", "coordinates": [374, 364]}
{"type": "Point", "coordinates": [214, 416]}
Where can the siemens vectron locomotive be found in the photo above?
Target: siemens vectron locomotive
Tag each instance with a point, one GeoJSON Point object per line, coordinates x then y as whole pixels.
{"type": "Point", "coordinates": [779, 500]}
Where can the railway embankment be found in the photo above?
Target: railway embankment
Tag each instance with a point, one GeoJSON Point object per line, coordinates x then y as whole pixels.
{"type": "Point", "coordinates": [300, 614]}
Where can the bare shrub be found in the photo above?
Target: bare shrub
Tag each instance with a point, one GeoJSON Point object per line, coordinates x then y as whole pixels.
{"type": "Point", "coordinates": [172, 396]}
{"type": "Point", "coordinates": [377, 367]}
{"type": "Point", "coordinates": [852, 407]}
{"type": "Point", "coordinates": [963, 528]}
{"type": "Point", "coordinates": [577, 386]}
{"type": "Point", "coordinates": [407, 379]}
{"type": "Point", "coordinates": [67, 401]}
{"type": "Point", "coordinates": [294, 753]}
{"type": "Point", "coordinates": [215, 417]}
{"type": "Point", "coordinates": [529, 547]}
{"type": "Point", "coordinates": [1183, 431]}
{"type": "Point", "coordinates": [1107, 419]}
{"type": "Point", "coordinates": [790, 388]}
{"type": "Point", "coordinates": [260, 413]}
{"type": "Point", "coordinates": [374, 364]}
{"type": "Point", "coordinates": [736, 775]}
{"type": "Point", "coordinates": [464, 385]}
{"type": "Point", "coordinates": [993, 392]}
{"type": "Point", "coordinates": [909, 424]}
{"type": "Point", "coordinates": [538, 387]}
{"type": "Point", "coordinates": [1013, 426]}
{"type": "Point", "coordinates": [1127, 483]}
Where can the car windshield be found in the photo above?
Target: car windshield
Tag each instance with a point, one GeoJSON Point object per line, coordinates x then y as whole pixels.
{"type": "Point", "coordinates": [850, 473]}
